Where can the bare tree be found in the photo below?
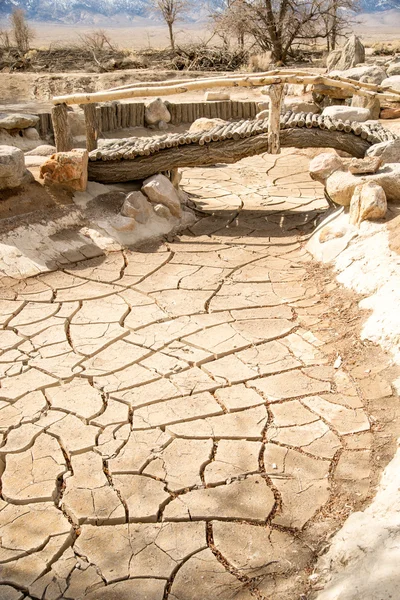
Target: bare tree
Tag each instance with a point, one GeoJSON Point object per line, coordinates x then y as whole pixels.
{"type": "Point", "coordinates": [5, 42]}
{"type": "Point", "coordinates": [171, 11]}
{"type": "Point", "coordinates": [277, 25]}
{"type": "Point", "coordinates": [20, 30]}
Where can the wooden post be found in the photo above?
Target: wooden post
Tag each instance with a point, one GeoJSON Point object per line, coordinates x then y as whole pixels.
{"type": "Point", "coordinates": [276, 96]}
{"type": "Point", "coordinates": [91, 125]}
{"type": "Point", "coordinates": [62, 134]}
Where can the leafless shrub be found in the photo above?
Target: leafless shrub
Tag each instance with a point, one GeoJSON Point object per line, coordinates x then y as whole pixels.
{"type": "Point", "coordinates": [5, 41]}
{"type": "Point", "coordinates": [171, 11]}
{"type": "Point", "coordinates": [97, 41]}
{"type": "Point", "coordinates": [21, 32]}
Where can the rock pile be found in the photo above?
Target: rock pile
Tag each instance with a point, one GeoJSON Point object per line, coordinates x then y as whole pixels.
{"type": "Point", "coordinates": [365, 185]}
{"type": "Point", "coordinates": [19, 130]}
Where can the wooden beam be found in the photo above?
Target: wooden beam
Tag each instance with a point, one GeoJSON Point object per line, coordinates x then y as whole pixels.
{"type": "Point", "coordinates": [239, 81]}
{"type": "Point", "coordinates": [276, 95]}
{"type": "Point", "coordinates": [229, 151]}
{"type": "Point", "coordinates": [62, 134]}
{"type": "Point", "coordinates": [91, 126]}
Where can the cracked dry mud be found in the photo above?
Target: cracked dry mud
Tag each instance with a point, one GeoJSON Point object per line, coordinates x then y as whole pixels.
{"type": "Point", "coordinates": [171, 425]}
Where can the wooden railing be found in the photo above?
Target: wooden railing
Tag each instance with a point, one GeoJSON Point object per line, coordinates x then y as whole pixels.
{"type": "Point", "coordinates": [275, 79]}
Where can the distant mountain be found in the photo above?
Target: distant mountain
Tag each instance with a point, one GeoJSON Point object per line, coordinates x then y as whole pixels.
{"type": "Point", "coordinates": [89, 11]}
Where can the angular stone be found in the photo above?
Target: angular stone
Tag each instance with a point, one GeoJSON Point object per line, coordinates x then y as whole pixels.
{"type": "Point", "coordinates": [12, 167]}
{"type": "Point", "coordinates": [175, 411]}
{"type": "Point", "coordinates": [347, 113]}
{"type": "Point", "coordinates": [157, 111]}
{"type": "Point", "coordinates": [288, 385]}
{"type": "Point", "coordinates": [246, 424]}
{"type": "Point", "coordinates": [323, 165]}
{"type": "Point", "coordinates": [18, 121]}
{"type": "Point", "coordinates": [232, 459]}
{"type": "Point", "coordinates": [77, 397]}
{"type": "Point", "coordinates": [202, 575]}
{"type": "Point", "coordinates": [388, 152]}
{"type": "Point", "coordinates": [140, 549]}
{"type": "Point", "coordinates": [250, 499]}
{"type": "Point", "coordinates": [302, 483]}
{"type": "Point", "coordinates": [369, 164]}
{"type": "Point", "coordinates": [205, 124]}
{"type": "Point", "coordinates": [137, 207]}
{"type": "Point", "coordinates": [160, 190]}
{"type": "Point", "coordinates": [342, 419]}
{"type": "Point", "coordinates": [367, 203]}
{"type": "Point", "coordinates": [69, 169]}
{"type": "Point", "coordinates": [31, 476]}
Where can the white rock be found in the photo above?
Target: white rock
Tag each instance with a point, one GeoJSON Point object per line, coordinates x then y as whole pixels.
{"type": "Point", "coordinates": [375, 74]}
{"type": "Point", "coordinates": [340, 187]}
{"type": "Point", "coordinates": [157, 111]}
{"type": "Point", "coordinates": [352, 53]}
{"type": "Point", "coordinates": [204, 124]}
{"type": "Point", "coordinates": [160, 190]}
{"type": "Point", "coordinates": [392, 82]}
{"type": "Point", "coordinates": [17, 121]}
{"type": "Point", "coordinates": [137, 206]}
{"type": "Point", "coordinates": [42, 150]}
{"type": "Point", "coordinates": [215, 96]}
{"type": "Point", "coordinates": [367, 203]}
{"type": "Point", "coordinates": [393, 69]}
{"type": "Point", "coordinates": [323, 165]}
{"type": "Point", "coordinates": [162, 211]}
{"type": "Point", "coordinates": [347, 113]}
{"type": "Point", "coordinates": [389, 152]}
{"type": "Point", "coordinates": [264, 114]}
{"type": "Point", "coordinates": [12, 167]}
{"type": "Point", "coordinates": [30, 133]}
{"type": "Point", "coordinates": [333, 59]}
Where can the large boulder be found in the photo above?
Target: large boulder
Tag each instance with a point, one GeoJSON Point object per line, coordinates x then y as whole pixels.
{"type": "Point", "coordinates": [323, 165]}
{"type": "Point", "coordinates": [333, 59]}
{"type": "Point", "coordinates": [352, 54]}
{"type": "Point", "coordinates": [372, 72]}
{"type": "Point", "coordinates": [157, 111]}
{"type": "Point", "coordinates": [204, 124]}
{"type": "Point", "coordinates": [347, 113]}
{"type": "Point", "coordinates": [391, 82]}
{"type": "Point", "coordinates": [393, 69]}
{"type": "Point", "coordinates": [160, 190]}
{"type": "Point", "coordinates": [42, 150]}
{"type": "Point", "coordinates": [12, 167]}
{"type": "Point", "coordinates": [341, 185]}
{"type": "Point", "coordinates": [17, 121]}
{"type": "Point", "coordinates": [388, 152]}
{"type": "Point", "coordinates": [367, 203]}
{"type": "Point", "coordinates": [372, 103]}
{"type": "Point", "coordinates": [68, 169]}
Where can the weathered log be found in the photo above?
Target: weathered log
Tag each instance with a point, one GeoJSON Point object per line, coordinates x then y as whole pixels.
{"type": "Point", "coordinates": [239, 81]}
{"type": "Point", "coordinates": [62, 133]}
{"type": "Point", "coordinates": [91, 126]}
{"type": "Point", "coordinates": [276, 96]}
{"type": "Point", "coordinates": [229, 151]}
